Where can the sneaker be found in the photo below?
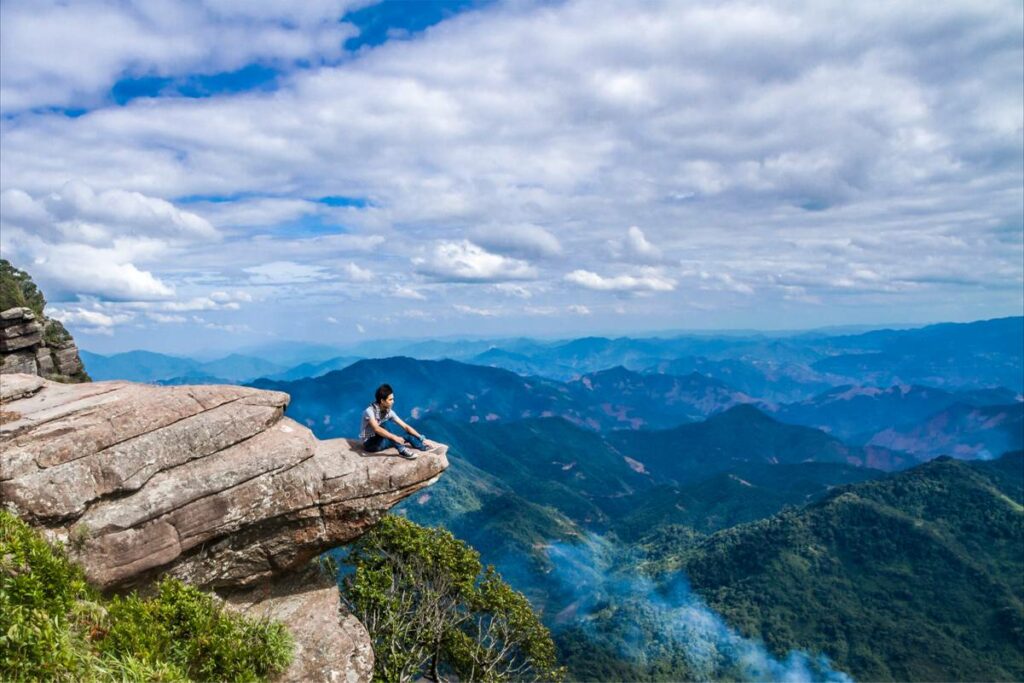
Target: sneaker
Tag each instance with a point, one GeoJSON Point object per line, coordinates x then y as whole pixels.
{"type": "Point", "coordinates": [407, 454]}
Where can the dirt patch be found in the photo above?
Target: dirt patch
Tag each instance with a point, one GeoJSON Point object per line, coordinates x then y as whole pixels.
{"type": "Point", "coordinates": [9, 416]}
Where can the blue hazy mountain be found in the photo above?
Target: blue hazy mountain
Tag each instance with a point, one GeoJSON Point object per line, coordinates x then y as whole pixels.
{"type": "Point", "coordinates": [735, 438]}
{"type": "Point", "coordinates": [612, 399]}
{"type": "Point", "coordinates": [146, 366]}
{"type": "Point", "coordinates": [955, 355]}
{"type": "Point", "coordinates": [858, 412]}
{"type": "Point", "coordinates": [653, 401]}
{"type": "Point", "coordinates": [963, 431]}
{"type": "Point", "coordinates": [317, 369]}
{"type": "Point", "coordinates": [137, 366]}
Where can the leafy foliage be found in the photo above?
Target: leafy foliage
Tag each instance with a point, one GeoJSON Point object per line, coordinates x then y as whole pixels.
{"type": "Point", "coordinates": [432, 610]}
{"type": "Point", "coordinates": [17, 290]}
{"type": "Point", "coordinates": [53, 626]}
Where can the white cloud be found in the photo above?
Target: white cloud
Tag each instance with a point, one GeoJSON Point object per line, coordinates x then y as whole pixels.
{"type": "Point", "coordinates": [285, 272]}
{"type": "Point", "coordinates": [464, 261]}
{"type": "Point", "coordinates": [578, 309]}
{"type": "Point", "coordinates": [621, 283]}
{"type": "Point", "coordinates": [165, 318]}
{"type": "Point", "coordinates": [404, 292]}
{"type": "Point", "coordinates": [524, 240]}
{"type": "Point", "coordinates": [355, 273]}
{"type": "Point", "coordinates": [89, 318]}
{"type": "Point", "coordinates": [869, 151]}
{"type": "Point", "coordinates": [95, 42]}
{"type": "Point", "coordinates": [331, 319]}
{"type": "Point", "coordinates": [473, 310]}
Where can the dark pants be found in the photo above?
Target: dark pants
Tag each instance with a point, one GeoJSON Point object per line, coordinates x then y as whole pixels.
{"type": "Point", "coordinates": [379, 443]}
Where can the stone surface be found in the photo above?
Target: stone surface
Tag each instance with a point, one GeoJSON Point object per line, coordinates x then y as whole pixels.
{"type": "Point", "coordinates": [211, 484]}
{"type": "Point", "coordinates": [16, 316]}
{"type": "Point", "coordinates": [44, 361]}
{"type": "Point", "coordinates": [27, 340]}
{"type": "Point", "coordinates": [331, 644]}
{"type": "Point", "coordinates": [24, 349]}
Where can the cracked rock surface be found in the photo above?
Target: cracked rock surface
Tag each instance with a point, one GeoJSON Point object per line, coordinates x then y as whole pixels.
{"type": "Point", "coordinates": [212, 484]}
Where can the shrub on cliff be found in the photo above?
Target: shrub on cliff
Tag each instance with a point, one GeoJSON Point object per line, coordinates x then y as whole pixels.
{"type": "Point", "coordinates": [17, 290]}
{"type": "Point", "coordinates": [433, 610]}
{"type": "Point", "coordinates": [53, 626]}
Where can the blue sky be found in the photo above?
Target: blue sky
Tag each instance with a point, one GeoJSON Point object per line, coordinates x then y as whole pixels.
{"type": "Point", "coordinates": [218, 173]}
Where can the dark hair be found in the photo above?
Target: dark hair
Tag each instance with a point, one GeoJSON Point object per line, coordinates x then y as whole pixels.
{"type": "Point", "coordinates": [383, 391]}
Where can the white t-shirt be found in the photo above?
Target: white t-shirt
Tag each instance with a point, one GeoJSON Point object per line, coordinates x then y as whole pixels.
{"type": "Point", "coordinates": [373, 411]}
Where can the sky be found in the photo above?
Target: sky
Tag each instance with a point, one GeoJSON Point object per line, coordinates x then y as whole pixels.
{"type": "Point", "coordinates": [186, 175]}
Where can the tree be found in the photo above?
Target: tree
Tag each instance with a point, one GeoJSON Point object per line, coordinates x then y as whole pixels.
{"type": "Point", "coordinates": [432, 610]}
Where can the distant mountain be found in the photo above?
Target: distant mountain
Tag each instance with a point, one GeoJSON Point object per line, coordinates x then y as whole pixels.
{"type": "Point", "coordinates": [962, 431]}
{"type": "Point", "coordinates": [304, 370]}
{"type": "Point", "coordinates": [332, 404]}
{"type": "Point", "coordinates": [849, 412]}
{"type": "Point", "coordinates": [912, 577]}
{"type": "Point", "coordinates": [654, 401]}
{"type": "Point", "coordinates": [770, 381]}
{"type": "Point", "coordinates": [146, 366]}
{"type": "Point", "coordinates": [547, 461]}
{"type": "Point", "coordinates": [740, 436]}
{"type": "Point", "coordinates": [743, 494]}
{"type": "Point", "coordinates": [137, 366]}
{"type": "Point", "coordinates": [950, 355]}
{"type": "Point", "coordinates": [239, 368]}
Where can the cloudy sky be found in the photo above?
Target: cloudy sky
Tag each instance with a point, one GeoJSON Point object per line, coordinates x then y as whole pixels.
{"type": "Point", "coordinates": [182, 175]}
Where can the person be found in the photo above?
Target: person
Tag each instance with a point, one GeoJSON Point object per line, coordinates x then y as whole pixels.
{"type": "Point", "coordinates": [377, 438]}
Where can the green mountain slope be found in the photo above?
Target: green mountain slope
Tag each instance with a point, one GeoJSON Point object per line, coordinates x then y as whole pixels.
{"type": "Point", "coordinates": [911, 577]}
{"type": "Point", "coordinates": [736, 438]}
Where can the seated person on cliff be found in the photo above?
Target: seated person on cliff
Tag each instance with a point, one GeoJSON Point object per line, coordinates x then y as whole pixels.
{"type": "Point", "coordinates": [380, 415]}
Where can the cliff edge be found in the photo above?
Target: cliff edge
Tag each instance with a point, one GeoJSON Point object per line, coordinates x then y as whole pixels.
{"type": "Point", "coordinates": [211, 484]}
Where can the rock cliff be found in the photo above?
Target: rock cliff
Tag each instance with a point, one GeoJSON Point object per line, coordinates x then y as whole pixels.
{"type": "Point", "coordinates": [212, 484]}
{"type": "Point", "coordinates": [30, 342]}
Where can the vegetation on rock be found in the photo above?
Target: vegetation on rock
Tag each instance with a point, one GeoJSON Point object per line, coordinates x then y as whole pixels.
{"type": "Point", "coordinates": [18, 291]}
{"type": "Point", "coordinates": [53, 626]}
{"type": "Point", "coordinates": [433, 610]}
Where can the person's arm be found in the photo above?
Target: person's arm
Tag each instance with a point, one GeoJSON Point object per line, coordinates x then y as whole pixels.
{"type": "Point", "coordinates": [406, 427]}
{"type": "Point", "coordinates": [380, 431]}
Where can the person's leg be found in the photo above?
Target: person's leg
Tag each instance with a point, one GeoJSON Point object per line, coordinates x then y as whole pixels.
{"type": "Point", "coordinates": [375, 444]}
{"type": "Point", "coordinates": [416, 442]}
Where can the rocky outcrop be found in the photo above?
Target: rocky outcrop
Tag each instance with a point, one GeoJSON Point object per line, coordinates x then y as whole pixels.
{"type": "Point", "coordinates": [37, 345]}
{"type": "Point", "coordinates": [212, 484]}
{"type": "Point", "coordinates": [30, 342]}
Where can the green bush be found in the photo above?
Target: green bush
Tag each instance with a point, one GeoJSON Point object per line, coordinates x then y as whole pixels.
{"type": "Point", "coordinates": [53, 626]}
{"type": "Point", "coordinates": [433, 611]}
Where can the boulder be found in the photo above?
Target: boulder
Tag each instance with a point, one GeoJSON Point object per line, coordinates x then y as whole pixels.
{"type": "Point", "coordinates": [38, 346]}
{"type": "Point", "coordinates": [211, 484]}
{"type": "Point", "coordinates": [331, 644]}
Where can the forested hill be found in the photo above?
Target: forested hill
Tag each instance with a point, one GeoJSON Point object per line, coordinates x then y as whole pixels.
{"type": "Point", "coordinates": [910, 577]}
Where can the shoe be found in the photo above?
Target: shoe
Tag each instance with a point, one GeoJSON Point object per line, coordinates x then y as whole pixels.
{"type": "Point", "coordinates": [407, 454]}
{"type": "Point", "coordinates": [422, 447]}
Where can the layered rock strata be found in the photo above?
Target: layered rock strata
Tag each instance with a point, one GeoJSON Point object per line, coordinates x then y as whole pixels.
{"type": "Point", "coordinates": [212, 484]}
{"type": "Point", "coordinates": [35, 345]}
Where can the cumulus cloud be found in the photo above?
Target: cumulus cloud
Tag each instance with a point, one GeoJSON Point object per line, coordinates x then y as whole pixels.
{"type": "Point", "coordinates": [651, 282]}
{"type": "Point", "coordinates": [404, 292]}
{"type": "Point", "coordinates": [464, 261]}
{"type": "Point", "coordinates": [786, 150]}
{"type": "Point", "coordinates": [523, 240]}
{"type": "Point", "coordinates": [96, 42]}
